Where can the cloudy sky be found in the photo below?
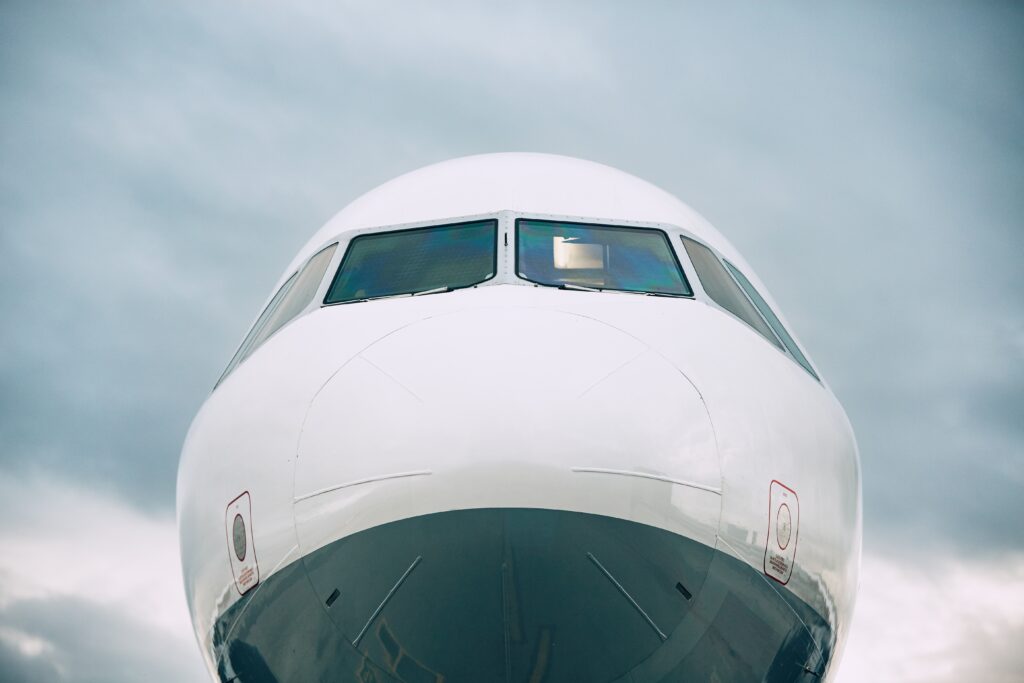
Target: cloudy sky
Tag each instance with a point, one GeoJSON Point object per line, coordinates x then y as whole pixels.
{"type": "Point", "coordinates": [160, 163]}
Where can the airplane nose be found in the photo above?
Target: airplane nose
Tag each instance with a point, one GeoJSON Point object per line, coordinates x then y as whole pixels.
{"type": "Point", "coordinates": [506, 408]}
{"type": "Point", "coordinates": [535, 470]}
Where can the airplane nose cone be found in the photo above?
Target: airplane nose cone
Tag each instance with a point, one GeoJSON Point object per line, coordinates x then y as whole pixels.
{"type": "Point", "coordinates": [541, 475]}
{"type": "Point", "coordinates": [502, 408]}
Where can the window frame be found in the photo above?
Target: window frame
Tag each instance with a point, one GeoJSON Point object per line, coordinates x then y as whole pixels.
{"type": "Point", "coordinates": [514, 245]}
{"type": "Point", "coordinates": [434, 225]}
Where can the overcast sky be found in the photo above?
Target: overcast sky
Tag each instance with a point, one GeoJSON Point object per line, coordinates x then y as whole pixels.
{"type": "Point", "coordinates": [160, 164]}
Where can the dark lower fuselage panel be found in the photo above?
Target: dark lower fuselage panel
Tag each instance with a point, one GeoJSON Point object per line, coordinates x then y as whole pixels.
{"type": "Point", "coordinates": [524, 596]}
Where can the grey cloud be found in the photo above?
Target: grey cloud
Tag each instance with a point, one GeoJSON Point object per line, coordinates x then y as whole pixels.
{"type": "Point", "coordinates": [990, 659]}
{"type": "Point", "coordinates": [24, 668]}
{"type": "Point", "coordinates": [87, 643]}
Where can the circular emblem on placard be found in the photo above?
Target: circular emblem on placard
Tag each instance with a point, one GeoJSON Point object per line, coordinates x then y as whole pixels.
{"type": "Point", "coordinates": [238, 537]}
{"type": "Point", "coordinates": [783, 526]}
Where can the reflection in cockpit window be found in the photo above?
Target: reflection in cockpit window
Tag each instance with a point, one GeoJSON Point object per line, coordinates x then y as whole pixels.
{"type": "Point", "coordinates": [416, 261]}
{"type": "Point", "coordinates": [579, 256]}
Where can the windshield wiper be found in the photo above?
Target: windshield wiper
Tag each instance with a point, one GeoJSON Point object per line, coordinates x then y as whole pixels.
{"type": "Point", "coordinates": [376, 298]}
{"type": "Point", "coordinates": [435, 290]}
{"type": "Point", "coordinates": [581, 288]}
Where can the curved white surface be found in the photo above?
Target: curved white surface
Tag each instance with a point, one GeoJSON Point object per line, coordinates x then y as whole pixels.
{"type": "Point", "coordinates": [669, 412]}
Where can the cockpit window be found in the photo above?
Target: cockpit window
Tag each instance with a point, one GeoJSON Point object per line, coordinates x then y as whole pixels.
{"type": "Point", "coordinates": [580, 256]}
{"type": "Point", "coordinates": [723, 290]}
{"type": "Point", "coordinates": [293, 297]}
{"type": "Point", "coordinates": [770, 316]}
{"type": "Point", "coordinates": [299, 296]}
{"type": "Point", "coordinates": [416, 261]}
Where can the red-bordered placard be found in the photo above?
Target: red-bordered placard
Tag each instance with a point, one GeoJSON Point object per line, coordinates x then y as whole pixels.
{"type": "Point", "coordinates": [779, 564]}
{"type": "Point", "coordinates": [245, 569]}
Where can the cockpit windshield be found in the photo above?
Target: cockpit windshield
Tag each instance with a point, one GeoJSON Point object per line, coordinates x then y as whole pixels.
{"type": "Point", "coordinates": [599, 257]}
{"type": "Point", "coordinates": [416, 261]}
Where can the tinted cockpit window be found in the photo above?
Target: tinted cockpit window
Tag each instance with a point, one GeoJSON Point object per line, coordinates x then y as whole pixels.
{"type": "Point", "coordinates": [723, 290]}
{"type": "Point", "coordinates": [772, 319]}
{"type": "Point", "coordinates": [261, 323]}
{"type": "Point", "coordinates": [575, 255]}
{"type": "Point", "coordinates": [416, 261]}
{"type": "Point", "coordinates": [299, 296]}
{"type": "Point", "coordinates": [293, 297]}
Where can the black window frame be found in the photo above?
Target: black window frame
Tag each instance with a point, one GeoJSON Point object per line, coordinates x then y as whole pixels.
{"type": "Point", "coordinates": [422, 228]}
{"type": "Point", "coordinates": [590, 224]}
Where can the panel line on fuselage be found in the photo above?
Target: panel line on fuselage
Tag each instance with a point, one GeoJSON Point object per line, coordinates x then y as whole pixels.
{"type": "Point", "coordinates": [647, 475]}
{"type": "Point", "coordinates": [357, 482]}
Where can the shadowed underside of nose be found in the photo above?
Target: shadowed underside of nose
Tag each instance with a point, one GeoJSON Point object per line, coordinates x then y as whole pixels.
{"type": "Point", "coordinates": [517, 595]}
